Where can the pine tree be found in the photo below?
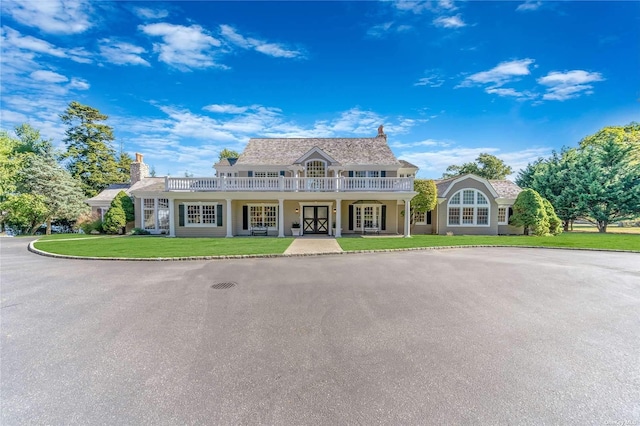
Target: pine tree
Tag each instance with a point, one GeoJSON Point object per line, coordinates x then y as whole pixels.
{"type": "Point", "coordinates": [127, 205]}
{"type": "Point", "coordinates": [92, 159]}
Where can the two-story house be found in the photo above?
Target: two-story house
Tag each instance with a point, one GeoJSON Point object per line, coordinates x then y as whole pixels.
{"type": "Point", "coordinates": [330, 186]}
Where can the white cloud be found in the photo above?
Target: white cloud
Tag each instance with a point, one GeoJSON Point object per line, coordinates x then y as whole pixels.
{"type": "Point", "coordinates": [122, 53]}
{"type": "Point", "coordinates": [435, 162]}
{"type": "Point", "coordinates": [380, 29]}
{"type": "Point", "coordinates": [79, 83]}
{"type": "Point", "coordinates": [449, 22]}
{"type": "Point", "coordinates": [529, 6]}
{"type": "Point", "coordinates": [423, 143]}
{"type": "Point", "coordinates": [510, 92]}
{"type": "Point", "coordinates": [414, 6]}
{"type": "Point", "coordinates": [13, 39]}
{"type": "Point", "coordinates": [267, 48]}
{"type": "Point", "coordinates": [51, 16]}
{"type": "Point", "coordinates": [500, 74]}
{"type": "Point", "coordinates": [433, 80]}
{"type": "Point", "coordinates": [183, 47]}
{"type": "Point", "coordinates": [147, 13]}
{"type": "Point", "coordinates": [48, 76]}
{"type": "Point", "coordinates": [567, 85]}
{"type": "Point", "coordinates": [226, 108]}
{"type": "Point", "coordinates": [447, 4]}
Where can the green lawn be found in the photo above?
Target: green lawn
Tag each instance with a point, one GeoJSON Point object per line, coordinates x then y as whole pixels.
{"type": "Point", "coordinates": [152, 247]}
{"type": "Point", "coordinates": [569, 240]}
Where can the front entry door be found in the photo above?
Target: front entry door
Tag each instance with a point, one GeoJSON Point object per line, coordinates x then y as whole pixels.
{"type": "Point", "coordinates": [315, 220]}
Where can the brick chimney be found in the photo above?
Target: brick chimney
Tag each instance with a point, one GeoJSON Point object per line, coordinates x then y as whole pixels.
{"type": "Point", "coordinates": [139, 170]}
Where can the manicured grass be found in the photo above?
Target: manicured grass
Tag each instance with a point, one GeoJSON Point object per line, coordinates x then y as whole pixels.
{"type": "Point", "coordinates": [611, 229]}
{"type": "Point", "coordinates": [72, 236]}
{"type": "Point", "coordinates": [568, 240]}
{"type": "Point", "coordinates": [153, 247]}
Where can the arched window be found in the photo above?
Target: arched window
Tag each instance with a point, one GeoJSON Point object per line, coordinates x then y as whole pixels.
{"type": "Point", "coordinates": [468, 207]}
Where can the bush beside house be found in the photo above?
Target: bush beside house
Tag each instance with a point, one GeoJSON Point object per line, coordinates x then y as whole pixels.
{"type": "Point", "coordinates": [535, 214]}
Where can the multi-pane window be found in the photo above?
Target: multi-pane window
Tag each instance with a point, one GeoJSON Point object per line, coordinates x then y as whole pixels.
{"type": "Point", "coordinates": [468, 207]}
{"type": "Point", "coordinates": [467, 215]}
{"type": "Point", "coordinates": [316, 169]}
{"type": "Point", "coordinates": [367, 216]}
{"type": "Point", "coordinates": [504, 213]}
{"type": "Point", "coordinates": [420, 218]}
{"type": "Point", "coordinates": [155, 213]}
{"type": "Point", "coordinates": [265, 174]}
{"type": "Point", "coordinates": [454, 216]}
{"type": "Point", "coordinates": [483, 216]}
{"type": "Point", "coordinates": [201, 214]}
{"type": "Point", "coordinates": [263, 215]}
{"type": "Point", "coordinates": [149, 213]}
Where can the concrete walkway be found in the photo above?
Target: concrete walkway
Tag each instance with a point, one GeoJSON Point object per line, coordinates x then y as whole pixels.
{"type": "Point", "coordinates": [314, 245]}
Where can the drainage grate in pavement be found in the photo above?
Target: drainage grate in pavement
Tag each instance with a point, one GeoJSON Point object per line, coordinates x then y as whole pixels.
{"type": "Point", "coordinates": [223, 286]}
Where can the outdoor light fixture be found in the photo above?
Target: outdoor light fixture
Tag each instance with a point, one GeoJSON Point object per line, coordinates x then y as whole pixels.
{"type": "Point", "coordinates": [334, 209]}
{"type": "Point", "coordinates": [297, 210]}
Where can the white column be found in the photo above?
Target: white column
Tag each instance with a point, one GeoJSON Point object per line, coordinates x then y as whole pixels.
{"type": "Point", "coordinates": [407, 218]}
{"type": "Point", "coordinates": [280, 218]}
{"type": "Point", "coordinates": [338, 218]}
{"type": "Point", "coordinates": [172, 218]}
{"type": "Point", "coordinates": [229, 219]}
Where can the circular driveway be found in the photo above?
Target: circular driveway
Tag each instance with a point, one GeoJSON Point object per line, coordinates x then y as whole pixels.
{"type": "Point", "coordinates": [468, 335]}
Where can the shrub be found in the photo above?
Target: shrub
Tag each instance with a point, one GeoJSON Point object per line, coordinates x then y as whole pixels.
{"type": "Point", "coordinates": [127, 205]}
{"type": "Point", "coordinates": [529, 211]}
{"type": "Point", "coordinates": [139, 231]}
{"type": "Point", "coordinates": [555, 224]}
{"type": "Point", "coordinates": [115, 219]}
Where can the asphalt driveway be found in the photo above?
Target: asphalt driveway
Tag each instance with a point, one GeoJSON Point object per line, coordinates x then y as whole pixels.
{"type": "Point", "coordinates": [455, 336]}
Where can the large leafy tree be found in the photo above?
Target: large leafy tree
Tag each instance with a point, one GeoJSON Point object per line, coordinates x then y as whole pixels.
{"type": "Point", "coordinates": [486, 165]}
{"type": "Point", "coordinates": [607, 181]}
{"type": "Point", "coordinates": [625, 136]}
{"type": "Point", "coordinates": [25, 212]}
{"type": "Point", "coordinates": [14, 152]}
{"type": "Point", "coordinates": [63, 195]}
{"type": "Point", "coordinates": [90, 154]}
{"type": "Point", "coordinates": [425, 199]}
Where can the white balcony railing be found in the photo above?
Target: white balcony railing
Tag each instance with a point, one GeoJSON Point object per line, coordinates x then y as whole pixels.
{"type": "Point", "coordinates": [289, 184]}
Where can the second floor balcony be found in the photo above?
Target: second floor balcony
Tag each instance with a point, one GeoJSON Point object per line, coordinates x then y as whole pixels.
{"type": "Point", "coordinates": [289, 184]}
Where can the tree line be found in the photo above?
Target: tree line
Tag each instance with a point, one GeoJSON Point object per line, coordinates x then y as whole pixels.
{"type": "Point", "coordinates": [598, 181]}
{"type": "Point", "coordinates": [39, 184]}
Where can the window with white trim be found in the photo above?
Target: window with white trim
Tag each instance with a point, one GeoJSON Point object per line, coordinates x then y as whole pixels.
{"type": "Point", "coordinates": [263, 215]}
{"type": "Point", "coordinates": [420, 218]}
{"type": "Point", "coordinates": [504, 213]}
{"type": "Point", "coordinates": [367, 216]}
{"type": "Point", "coordinates": [155, 212]}
{"type": "Point", "coordinates": [200, 214]}
{"type": "Point", "coordinates": [468, 207]}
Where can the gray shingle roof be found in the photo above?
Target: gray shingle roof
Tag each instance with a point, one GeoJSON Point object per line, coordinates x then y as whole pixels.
{"type": "Point", "coordinates": [347, 151]}
{"type": "Point", "coordinates": [407, 165]}
{"type": "Point", "coordinates": [110, 193]}
{"type": "Point", "coordinates": [506, 188]}
{"type": "Point", "coordinates": [155, 184]}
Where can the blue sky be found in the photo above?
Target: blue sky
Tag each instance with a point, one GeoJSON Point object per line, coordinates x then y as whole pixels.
{"type": "Point", "coordinates": [182, 80]}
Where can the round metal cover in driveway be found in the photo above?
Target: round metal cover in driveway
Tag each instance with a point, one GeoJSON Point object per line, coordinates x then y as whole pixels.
{"type": "Point", "coordinates": [223, 286]}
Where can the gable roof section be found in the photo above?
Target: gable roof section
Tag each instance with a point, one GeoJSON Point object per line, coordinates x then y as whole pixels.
{"type": "Point", "coordinates": [346, 151]}
{"type": "Point", "coordinates": [315, 150]}
{"type": "Point", "coordinates": [446, 187]}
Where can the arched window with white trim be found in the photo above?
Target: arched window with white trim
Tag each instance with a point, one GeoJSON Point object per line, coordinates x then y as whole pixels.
{"type": "Point", "coordinates": [316, 169]}
{"type": "Point", "coordinates": [468, 207]}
